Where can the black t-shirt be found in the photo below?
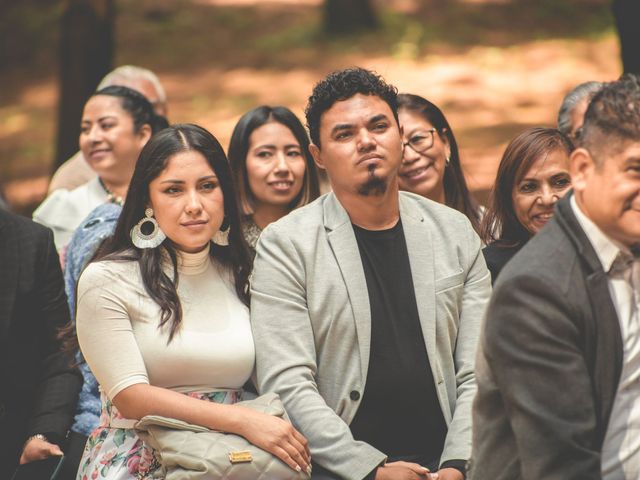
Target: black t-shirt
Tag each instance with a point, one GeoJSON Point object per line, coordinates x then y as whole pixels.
{"type": "Point", "coordinates": [399, 414]}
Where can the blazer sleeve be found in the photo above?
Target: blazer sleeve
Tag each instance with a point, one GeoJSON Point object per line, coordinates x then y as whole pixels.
{"type": "Point", "coordinates": [286, 360]}
{"type": "Point", "coordinates": [532, 345]}
{"type": "Point", "coordinates": [475, 297]}
{"type": "Point", "coordinates": [60, 382]}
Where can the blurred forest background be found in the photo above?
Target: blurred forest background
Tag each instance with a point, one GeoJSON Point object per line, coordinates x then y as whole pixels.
{"type": "Point", "coordinates": [495, 67]}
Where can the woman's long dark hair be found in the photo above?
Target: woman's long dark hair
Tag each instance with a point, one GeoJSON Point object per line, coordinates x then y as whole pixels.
{"type": "Point", "coordinates": [456, 193]}
{"type": "Point", "coordinates": [500, 223]}
{"type": "Point", "coordinates": [239, 148]}
{"type": "Point", "coordinates": [154, 157]}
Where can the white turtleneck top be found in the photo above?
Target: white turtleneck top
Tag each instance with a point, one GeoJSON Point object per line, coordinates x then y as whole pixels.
{"type": "Point", "coordinates": [117, 325]}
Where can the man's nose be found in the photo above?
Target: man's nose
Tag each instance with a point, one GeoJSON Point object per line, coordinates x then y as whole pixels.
{"type": "Point", "coordinates": [366, 140]}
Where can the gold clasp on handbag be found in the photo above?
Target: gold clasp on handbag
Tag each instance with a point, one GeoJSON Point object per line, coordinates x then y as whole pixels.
{"type": "Point", "coordinates": [243, 456]}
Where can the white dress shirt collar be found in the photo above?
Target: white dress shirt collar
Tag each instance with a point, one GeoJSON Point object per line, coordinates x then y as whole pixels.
{"type": "Point", "coordinates": [606, 249]}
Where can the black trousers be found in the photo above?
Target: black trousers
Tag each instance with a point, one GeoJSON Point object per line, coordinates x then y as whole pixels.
{"type": "Point", "coordinates": [319, 473]}
{"type": "Point", "coordinates": [72, 456]}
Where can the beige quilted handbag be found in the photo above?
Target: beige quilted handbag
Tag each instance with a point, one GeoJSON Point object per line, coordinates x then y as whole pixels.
{"type": "Point", "coordinates": [193, 452]}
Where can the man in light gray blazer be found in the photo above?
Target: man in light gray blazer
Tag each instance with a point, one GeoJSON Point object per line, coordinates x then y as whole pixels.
{"type": "Point", "coordinates": [366, 304]}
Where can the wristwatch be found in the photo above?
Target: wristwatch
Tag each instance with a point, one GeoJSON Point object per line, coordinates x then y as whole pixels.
{"type": "Point", "coordinates": [39, 436]}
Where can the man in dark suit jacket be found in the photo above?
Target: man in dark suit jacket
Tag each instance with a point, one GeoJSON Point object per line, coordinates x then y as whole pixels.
{"type": "Point", "coordinates": [38, 385]}
{"type": "Point", "coordinates": [557, 392]}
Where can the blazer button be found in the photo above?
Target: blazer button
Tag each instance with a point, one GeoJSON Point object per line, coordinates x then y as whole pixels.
{"type": "Point", "coordinates": [354, 395]}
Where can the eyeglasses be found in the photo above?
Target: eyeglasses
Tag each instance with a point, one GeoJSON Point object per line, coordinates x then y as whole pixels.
{"type": "Point", "coordinates": [421, 142]}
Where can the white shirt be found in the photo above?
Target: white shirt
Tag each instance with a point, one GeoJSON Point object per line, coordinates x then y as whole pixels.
{"type": "Point", "coordinates": [621, 449]}
{"type": "Point", "coordinates": [64, 210]}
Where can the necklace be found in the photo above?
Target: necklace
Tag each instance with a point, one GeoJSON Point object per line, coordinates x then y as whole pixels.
{"type": "Point", "coordinates": [111, 197]}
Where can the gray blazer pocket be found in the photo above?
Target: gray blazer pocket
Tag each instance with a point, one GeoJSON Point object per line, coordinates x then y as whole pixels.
{"type": "Point", "coordinates": [449, 282]}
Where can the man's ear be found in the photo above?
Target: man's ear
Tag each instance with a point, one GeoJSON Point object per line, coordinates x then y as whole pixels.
{"type": "Point", "coordinates": [315, 153]}
{"type": "Point", "coordinates": [581, 165]}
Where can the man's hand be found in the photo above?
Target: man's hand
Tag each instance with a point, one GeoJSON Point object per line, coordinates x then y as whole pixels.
{"type": "Point", "coordinates": [37, 449]}
{"type": "Point", "coordinates": [402, 471]}
{"type": "Point", "coordinates": [447, 474]}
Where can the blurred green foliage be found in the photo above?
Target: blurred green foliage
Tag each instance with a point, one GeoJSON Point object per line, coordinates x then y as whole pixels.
{"type": "Point", "coordinates": [176, 34]}
{"type": "Point", "coordinates": [192, 36]}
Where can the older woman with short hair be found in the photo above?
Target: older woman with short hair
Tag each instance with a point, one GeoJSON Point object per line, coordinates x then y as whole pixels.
{"type": "Point", "coordinates": [574, 105]}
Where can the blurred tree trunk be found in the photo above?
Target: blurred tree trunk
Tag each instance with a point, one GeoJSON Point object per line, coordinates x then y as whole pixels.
{"type": "Point", "coordinates": [346, 16]}
{"type": "Point", "coordinates": [86, 52]}
{"type": "Point", "coordinates": [627, 16]}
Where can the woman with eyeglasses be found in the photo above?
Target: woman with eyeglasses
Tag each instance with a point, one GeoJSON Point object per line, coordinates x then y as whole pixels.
{"type": "Point", "coordinates": [431, 162]}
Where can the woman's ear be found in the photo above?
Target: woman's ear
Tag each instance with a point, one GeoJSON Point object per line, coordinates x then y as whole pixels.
{"type": "Point", "coordinates": [443, 136]}
{"type": "Point", "coordinates": [144, 134]}
{"type": "Point", "coordinates": [445, 141]}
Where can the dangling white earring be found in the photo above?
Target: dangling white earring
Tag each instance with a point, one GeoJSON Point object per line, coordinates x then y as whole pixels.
{"type": "Point", "coordinates": [151, 240]}
{"type": "Point", "coordinates": [447, 160]}
{"type": "Point", "coordinates": [221, 237]}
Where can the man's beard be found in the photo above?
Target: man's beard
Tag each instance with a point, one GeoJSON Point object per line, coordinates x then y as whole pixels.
{"type": "Point", "coordinates": [374, 185]}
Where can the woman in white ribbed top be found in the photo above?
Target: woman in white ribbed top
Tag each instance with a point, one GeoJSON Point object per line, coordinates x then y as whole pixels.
{"type": "Point", "coordinates": [164, 323]}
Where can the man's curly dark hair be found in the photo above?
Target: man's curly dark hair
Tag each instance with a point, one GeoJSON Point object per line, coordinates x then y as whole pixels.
{"type": "Point", "coordinates": [612, 115]}
{"type": "Point", "coordinates": [342, 85]}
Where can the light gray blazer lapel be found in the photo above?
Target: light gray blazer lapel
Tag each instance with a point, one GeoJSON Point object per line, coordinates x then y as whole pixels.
{"type": "Point", "coordinates": [345, 248]}
{"type": "Point", "coordinates": [420, 250]}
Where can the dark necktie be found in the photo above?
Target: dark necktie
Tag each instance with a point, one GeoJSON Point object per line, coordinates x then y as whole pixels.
{"type": "Point", "coordinates": [622, 263]}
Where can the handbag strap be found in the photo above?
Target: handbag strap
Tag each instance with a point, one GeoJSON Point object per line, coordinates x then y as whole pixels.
{"type": "Point", "coordinates": [121, 423]}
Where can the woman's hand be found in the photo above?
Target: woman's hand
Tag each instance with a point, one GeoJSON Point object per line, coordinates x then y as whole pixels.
{"type": "Point", "coordinates": [267, 432]}
{"type": "Point", "coordinates": [276, 436]}
{"type": "Point", "coordinates": [37, 449]}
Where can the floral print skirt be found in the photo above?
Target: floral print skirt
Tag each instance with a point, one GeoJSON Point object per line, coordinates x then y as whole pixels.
{"type": "Point", "coordinates": [115, 452]}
